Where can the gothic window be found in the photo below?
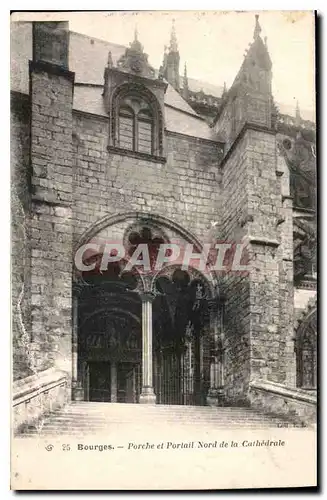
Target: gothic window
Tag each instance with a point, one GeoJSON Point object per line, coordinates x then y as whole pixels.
{"type": "Point", "coordinates": [137, 121]}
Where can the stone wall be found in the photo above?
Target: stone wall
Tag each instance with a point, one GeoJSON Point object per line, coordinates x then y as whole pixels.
{"type": "Point", "coordinates": [76, 180]}
{"type": "Point", "coordinates": [259, 307]}
{"type": "Point", "coordinates": [287, 371]}
{"type": "Point", "coordinates": [51, 221]}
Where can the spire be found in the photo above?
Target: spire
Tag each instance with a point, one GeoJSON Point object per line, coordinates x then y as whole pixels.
{"type": "Point", "coordinates": [257, 28]}
{"type": "Point", "coordinates": [258, 50]}
{"type": "Point", "coordinates": [185, 91]}
{"type": "Point", "coordinates": [252, 84]}
{"type": "Point", "coordinates": [224, 90]}
{"type": "Point", "coordinates": [173, 39]}
{"type": "Point", "coordinates": [185, 80]}
{"type": "Point", "coordinates": [136, 45]}
{"type": "Point", "coordinates": [170, 67]}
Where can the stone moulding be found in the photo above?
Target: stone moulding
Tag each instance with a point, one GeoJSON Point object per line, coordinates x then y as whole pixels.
{"type": "Point", "coordinates": [283, 390]}
{"type": "Point", "coordinates": [263, 241]}
{"type": "Point", "coordinates": [51, 68]}
{"type": "Point", "coordinates": [31, 386]}
{"type": "Point", "coordinates": [136, 154]}
{"type": "Point", "coordinates": [110, 220]}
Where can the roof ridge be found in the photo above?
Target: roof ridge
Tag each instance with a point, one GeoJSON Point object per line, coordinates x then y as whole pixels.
{"type": "Point", "coordinates": [98, 39]}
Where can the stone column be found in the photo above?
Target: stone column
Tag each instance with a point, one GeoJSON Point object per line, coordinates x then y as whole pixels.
{"type": "Point", "coordinates": [147, 395]}
{"type": "Point", "coordinates": [113, 382]}
{"type": "Point", "coordinates": [216, 391]}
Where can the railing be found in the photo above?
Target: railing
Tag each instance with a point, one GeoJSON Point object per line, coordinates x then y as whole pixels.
{"type": "Point", "coordinates": [293, 403]}
{"type": "Point", "coordinates": [36, 396]}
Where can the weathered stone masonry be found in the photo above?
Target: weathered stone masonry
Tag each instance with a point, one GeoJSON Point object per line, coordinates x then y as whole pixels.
{"type": "Point", "coordinates": [69, 175]}
{"type": "Point", "coordinates": [51, 217]}
{"type": "Point", "coordinates": [185, 186]}
{"type": "Point", "coordinates": [20, 233]}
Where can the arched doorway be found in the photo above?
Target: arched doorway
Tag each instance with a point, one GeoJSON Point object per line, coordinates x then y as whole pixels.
{"type": "Point", "coordinates": [181, 327]}
{"type": "Point", "coordinates": [144, 336]}
{"type": "Point", "coordinates": [109, 348]}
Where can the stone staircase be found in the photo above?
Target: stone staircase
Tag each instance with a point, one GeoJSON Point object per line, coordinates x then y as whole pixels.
{"type": "Point", "coordinates": [81, 418]}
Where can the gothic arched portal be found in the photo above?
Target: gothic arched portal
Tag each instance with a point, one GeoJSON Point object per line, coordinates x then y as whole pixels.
{"type": "Point", "coordinates": [143, 336]}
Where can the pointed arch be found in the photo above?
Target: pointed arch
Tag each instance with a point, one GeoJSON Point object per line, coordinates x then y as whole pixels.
{"type": "Point", "coordinates": [147, 118]}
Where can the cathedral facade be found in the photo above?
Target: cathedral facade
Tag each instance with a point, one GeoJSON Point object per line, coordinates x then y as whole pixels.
{"type": "Point", "coordinates": [108, 152]}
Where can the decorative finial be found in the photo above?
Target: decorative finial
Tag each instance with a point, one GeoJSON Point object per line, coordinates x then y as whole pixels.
{"type": "Point", "coordinates": [265, 39]}
{"type": "Point", "coordinates": [134, 60]}
{"type": "Point", "coordinates": [297, 109]}
{"type": "Point", "coordinates": [224, 89]}
{"type": "Point", "coordinates": [257, 28]}
{"type": "Point", "coordinates": [110, 61]}
{"type": "Point", "coordinates": [185, 79]}
{"type": "Point", "coordinates": [173, 38]}
{"type": "Point", "coordinates": [297, 114]}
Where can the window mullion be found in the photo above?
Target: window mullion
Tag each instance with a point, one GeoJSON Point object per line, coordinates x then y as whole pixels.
{"type": "Point", "coordinates": [135, 134]}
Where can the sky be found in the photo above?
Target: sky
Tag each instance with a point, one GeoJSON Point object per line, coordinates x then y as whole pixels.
{"type": "Point", "coordinates": [213, 43]}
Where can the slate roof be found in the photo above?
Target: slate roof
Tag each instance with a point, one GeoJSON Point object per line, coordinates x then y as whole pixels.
{"type": "Point", "coordinates": [88, 58]}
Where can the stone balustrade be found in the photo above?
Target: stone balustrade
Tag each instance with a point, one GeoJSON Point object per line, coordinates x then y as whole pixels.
{"type": "Point", "coordinates": [298, 404]}
{"type": "Point", "coordinates": [36, 396]}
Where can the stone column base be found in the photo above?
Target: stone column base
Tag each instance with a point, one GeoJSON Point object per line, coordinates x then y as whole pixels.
{"type": "Point", "coordinates": [215, 397]}
{"type": "Point", "coordinates": [77, 392]}
{"type": "Point", "coordinates": [147, 396]}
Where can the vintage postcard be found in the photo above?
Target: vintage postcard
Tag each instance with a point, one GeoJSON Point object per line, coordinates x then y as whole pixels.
{"type": "Point", "coordinates": [164, 309]}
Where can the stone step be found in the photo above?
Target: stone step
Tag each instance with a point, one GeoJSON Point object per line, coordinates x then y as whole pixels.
{"type": "Point", "coordinates": [133, 418]}
{"type": "Point", "coordinates": [112, 408]}
{"type": "Point", "coordinates": [93, 418]}
{"type": "Point", "coordinates": [77, 431]}
{"type": "Point", "coordinates": [162, 415]}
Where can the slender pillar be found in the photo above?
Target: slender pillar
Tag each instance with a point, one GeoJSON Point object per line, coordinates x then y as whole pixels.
{"type": "Point", "coordinates": [113, 382]}
{"type": "Point", "coordinates": [74, 341]}
{"type": "Point", "coordinates": [213, 393]}
{"type": "Point", "coordinates": [216, 391]}
{"type": "Point", "coordinates": [147, 395]}
{"type": "Point", "coordinates": [77, 389]}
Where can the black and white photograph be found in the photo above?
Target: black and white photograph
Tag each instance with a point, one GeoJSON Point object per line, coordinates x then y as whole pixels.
{"type": "Point", "coordinates": [163, 250]}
